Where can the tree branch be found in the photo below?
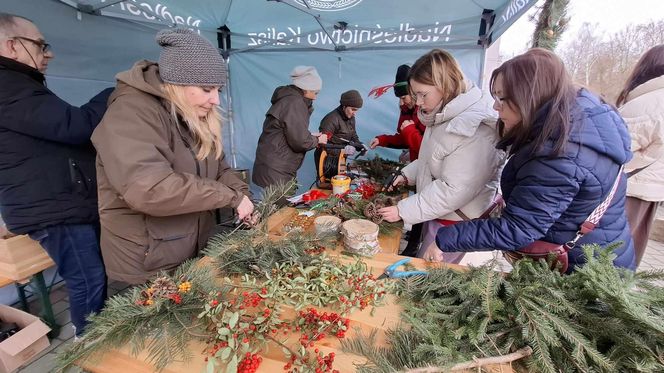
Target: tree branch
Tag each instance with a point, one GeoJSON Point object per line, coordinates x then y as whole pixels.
{"type": "Point", "coordinates": [476, 363]}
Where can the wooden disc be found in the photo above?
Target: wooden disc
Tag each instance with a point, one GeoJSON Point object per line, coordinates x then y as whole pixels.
{"type": "Point", "coordinates": [360, 230]}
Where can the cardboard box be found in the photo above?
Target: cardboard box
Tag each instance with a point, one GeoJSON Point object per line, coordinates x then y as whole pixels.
{"type": "Point", "coordinates": [21, 347]}
{"type": "Point", "coordinates": [21, 257]}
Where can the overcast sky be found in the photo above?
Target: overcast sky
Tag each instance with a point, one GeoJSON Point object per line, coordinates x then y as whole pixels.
{"type": "Point", "coordinates": [610, 15]}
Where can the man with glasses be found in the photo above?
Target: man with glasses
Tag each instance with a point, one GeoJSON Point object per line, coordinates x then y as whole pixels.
{"type": "Point", "coordinates": [48, 186]}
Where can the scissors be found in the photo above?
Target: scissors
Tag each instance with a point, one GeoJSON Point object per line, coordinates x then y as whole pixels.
{"type": "Point", "coordinates": [361, 148]}
{"type": "Point", "coordinates": [393, 272]}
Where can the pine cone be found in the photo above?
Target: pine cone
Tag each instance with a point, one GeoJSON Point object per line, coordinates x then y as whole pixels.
{"type": "Point", "coordinates": [371, 213]}
{"type": "Point", "coordinates": [369, 210]}
{"type": "Point", "coordinates": [163, 287]}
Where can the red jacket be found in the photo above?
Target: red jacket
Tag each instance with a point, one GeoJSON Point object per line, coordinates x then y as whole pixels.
{"type": "Point", "coordinates": [410, 138]}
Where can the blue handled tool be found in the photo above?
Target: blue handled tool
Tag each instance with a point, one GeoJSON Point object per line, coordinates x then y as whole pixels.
{"type": "Point", "coordinates": [393, 270]}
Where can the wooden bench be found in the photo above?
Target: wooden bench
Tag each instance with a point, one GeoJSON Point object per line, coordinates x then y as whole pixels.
{"type": "Point", "coordinates": [22, 262]}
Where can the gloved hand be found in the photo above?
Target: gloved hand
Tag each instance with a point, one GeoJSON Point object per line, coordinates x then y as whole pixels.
{"type": "Point", "coordinates": [349, 150]}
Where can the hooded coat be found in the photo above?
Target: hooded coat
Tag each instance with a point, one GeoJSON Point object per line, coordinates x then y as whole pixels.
{"type": "Point", "coordinates": [156, 200]}
{"type": "Point", "coordinates": [644, 114]}
{"type": "Point", "coordinates": [547, 198]}
{"type": "Point", "coordinates": [458, 164]}
{"type": "Point", "coordinates": [285, 138]}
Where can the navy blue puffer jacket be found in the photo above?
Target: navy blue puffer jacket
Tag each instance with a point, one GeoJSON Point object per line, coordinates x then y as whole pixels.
{"type": "Point", "coordinates": [547, 198]}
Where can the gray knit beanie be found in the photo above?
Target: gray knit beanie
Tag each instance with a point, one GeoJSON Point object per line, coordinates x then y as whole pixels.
{"type": "Point", "coordinates": [187, 58]}
{"type": "Point", "coordinates": [351, 98]}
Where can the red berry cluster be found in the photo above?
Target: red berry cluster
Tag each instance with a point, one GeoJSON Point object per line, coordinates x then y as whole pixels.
{"type": "Point", "coordinates": [216, 347]}
{"type": "Point", "coordinates": [364, 296]}
{"type": "Point", "coordinates": [176, 298]}
{"type": "Point", "coordinates": [325, 362]}
{"type": "Point", "coordinates": [249, 300]}
{"type": "Point", "coordinates": [316, 324]}
{"type": "Point", "coordinates": [250, 363]}
{"type": "Point", "coordinates": [316, 250]}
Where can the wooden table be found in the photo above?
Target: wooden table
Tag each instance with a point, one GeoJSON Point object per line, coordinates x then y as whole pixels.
{"type": "Point", "coordinates": [385, 317]}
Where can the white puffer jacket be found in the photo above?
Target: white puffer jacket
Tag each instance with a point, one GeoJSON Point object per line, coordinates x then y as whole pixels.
{"type": "Point", "coordinates": [644, 114]}
{"type": "Point", "coordinates": [458, 165]}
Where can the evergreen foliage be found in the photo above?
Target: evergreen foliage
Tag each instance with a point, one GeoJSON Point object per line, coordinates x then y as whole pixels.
{"type": "Point", "coordinates": [164, 330]}
{"type": "Point", "coordinates": [551, 22]}
{"type": "Point", "coordinates": [598, 319]}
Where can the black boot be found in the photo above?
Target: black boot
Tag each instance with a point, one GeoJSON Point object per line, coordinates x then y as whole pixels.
{"type": "Point", "coordinates": [413, 241]}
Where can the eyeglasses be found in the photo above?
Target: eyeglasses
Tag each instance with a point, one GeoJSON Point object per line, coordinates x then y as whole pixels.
{"type": "Point", "coordinates": [500, 100]}
{"type": "Point", "coordinates": [419, 95]}
{"type": "Point", "coordinates": [44, 46]}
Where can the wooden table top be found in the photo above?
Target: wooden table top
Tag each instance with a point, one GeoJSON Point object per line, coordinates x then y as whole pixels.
{"type": "Point", "coordinates": [384, 317]}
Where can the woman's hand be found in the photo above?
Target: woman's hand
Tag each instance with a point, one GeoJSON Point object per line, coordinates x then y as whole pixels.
{"type": "Point", "coordinates": [252, 220]}
{"type": "Point", "coordinates": [245, 208]}
{"type": "Point", "coordinates": [374, 143]}
{"type": "Point", "coordinates": [399, 180]}
{"type": "Point", "coordinates": [405, 124]}
{"type": "Point", "coordinates": [432, 253]}
{"type": "Point", "coordinates": [390, 214]}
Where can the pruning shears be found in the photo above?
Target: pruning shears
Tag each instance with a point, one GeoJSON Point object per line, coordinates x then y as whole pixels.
{"type": "Point", "coordinates": [390, 179]}
{"type": "Point", "coordinates": [361, 148]}
{"type": "Point", "coordinates": [393, 271]}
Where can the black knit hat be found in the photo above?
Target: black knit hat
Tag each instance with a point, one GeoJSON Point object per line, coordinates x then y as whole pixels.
{"type": "Point", "coordinates": [401, 81]}
{"type": "Point", "coordinates": [351, 98]}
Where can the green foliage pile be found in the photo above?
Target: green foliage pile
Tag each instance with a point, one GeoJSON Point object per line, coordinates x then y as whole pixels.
{"type": "Point", "coordinates": [598, 319]}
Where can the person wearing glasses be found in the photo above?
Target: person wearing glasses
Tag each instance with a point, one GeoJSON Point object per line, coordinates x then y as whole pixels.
{"type": "Point", "coordinates": [566, 150]}
{"type": "Point", "coordinates": [48, 186]}
{"type": "Point", "coordinates": [456, 173]}
{"type": "Point", "coordinates": [409, 129]}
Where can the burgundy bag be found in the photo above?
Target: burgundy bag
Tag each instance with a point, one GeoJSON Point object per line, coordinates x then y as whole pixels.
{"type": "Point", "coordinates": [542, 249]}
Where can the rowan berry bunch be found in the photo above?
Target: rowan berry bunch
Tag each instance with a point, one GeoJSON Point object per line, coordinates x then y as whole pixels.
{"type": "Point", "coordinates": [243, 320]}
{"type": "Point", "coordinates": [326, 283]}
{"type": "Point", "coordinates": [250, 363]}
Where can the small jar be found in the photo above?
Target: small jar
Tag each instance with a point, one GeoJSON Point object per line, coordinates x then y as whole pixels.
{"type": "Point", "coordinates": [340, 184]}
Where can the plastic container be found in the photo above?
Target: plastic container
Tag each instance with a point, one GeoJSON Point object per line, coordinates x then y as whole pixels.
{"type": "Point", "coordinates": [340, 184]}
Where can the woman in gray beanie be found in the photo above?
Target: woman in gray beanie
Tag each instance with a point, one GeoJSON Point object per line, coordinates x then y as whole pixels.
{"type": "Point", "coordinates": [160, 165]}
{"type": "Point", "coordinates": [286, 138]}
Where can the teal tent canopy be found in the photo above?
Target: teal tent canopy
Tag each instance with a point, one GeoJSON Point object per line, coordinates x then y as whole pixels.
{"type": "Point", "coordinates": [354, 44]}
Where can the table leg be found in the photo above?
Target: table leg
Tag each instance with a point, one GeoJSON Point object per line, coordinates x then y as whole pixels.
{"type": "Point", "coordinates": [20, 289]}
{"type": "Point", "coordinates": [42, 291]}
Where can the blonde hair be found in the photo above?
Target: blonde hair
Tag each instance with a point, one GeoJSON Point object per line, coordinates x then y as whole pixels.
{"type": "Point", "coordinates": [206, 131]}
{"type": "Point", "coordinates": [439, 69]}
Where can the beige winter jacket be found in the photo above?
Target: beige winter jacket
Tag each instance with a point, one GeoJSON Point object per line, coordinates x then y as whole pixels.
{"type": "Point", "coordinates": [458, 165]}
{"type": "Point", "coordinates": [644, 115]}
{"type": "Point", "coordinates": [156, 201]}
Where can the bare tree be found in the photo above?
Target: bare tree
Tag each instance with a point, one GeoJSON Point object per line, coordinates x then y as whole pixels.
{"type": "Point", "coordinates": [603, 62]}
